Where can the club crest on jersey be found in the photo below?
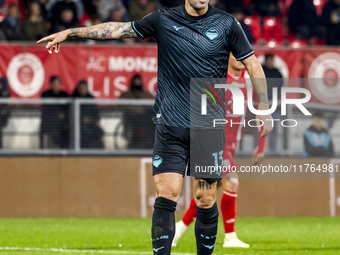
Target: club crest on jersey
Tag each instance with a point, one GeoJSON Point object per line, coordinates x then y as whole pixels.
{"type": "Point", "coordinates": [211, 33]}
{"type": "Point", "coordinates": [157, 160]}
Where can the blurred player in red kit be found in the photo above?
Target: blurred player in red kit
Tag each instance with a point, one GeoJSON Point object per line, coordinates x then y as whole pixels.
{"type": "Point", "coordinates": [237, 76]}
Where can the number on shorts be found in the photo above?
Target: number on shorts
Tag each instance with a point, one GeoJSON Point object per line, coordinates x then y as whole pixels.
{"type": "Point", "coordinates": [218, 157]}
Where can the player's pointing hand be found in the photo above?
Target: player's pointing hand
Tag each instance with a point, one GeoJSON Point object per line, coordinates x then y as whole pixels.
{"type": "Point", "coordinates": [54, 41]}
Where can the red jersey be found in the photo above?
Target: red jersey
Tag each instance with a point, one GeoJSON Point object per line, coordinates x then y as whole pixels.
{"type": "Point", "coordinates": [233, 132]}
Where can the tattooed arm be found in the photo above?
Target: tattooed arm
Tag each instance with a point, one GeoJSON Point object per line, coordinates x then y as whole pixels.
{"type": "Point", "coordinates": [109, 30]}
{"type": "Point", "coordinates": [104, 31]}
{"type": "Point", "coordinates": [258, 80]}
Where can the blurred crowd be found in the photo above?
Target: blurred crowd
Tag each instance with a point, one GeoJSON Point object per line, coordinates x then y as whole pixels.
{"type": "Point", "coordinates": [138, 128]}
{"type": "Point", "coordinates": [54, 130]}
{"type": "Point", "coordinates": [271, 22]}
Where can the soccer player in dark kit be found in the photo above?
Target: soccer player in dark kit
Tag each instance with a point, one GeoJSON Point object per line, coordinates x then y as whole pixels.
{"type": "Point", "coordinates": [194, 41]}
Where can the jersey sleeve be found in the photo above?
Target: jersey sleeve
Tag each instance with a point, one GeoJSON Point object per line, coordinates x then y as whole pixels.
{"type": "Point", "coordinates": [147, 26]}
{"type": "Point", "coordinates": [238, 42]}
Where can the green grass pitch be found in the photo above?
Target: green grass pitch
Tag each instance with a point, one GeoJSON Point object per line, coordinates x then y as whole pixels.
{"type": "Point", "coordinates": [132, 236]}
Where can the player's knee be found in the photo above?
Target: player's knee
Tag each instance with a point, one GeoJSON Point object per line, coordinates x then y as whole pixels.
{"type": "Point", "coordinates": [205, 200]}
{"type": "Point", "coordinates": [234, 184]}
{"type": "Point", "coordinates": [234, 181]}
{"type": "Point", "coordinates": [231, 184]}
{"type": "Point", "coordinates": [168, 192]}
{"type": "Point", "coordinates": [205, 193]}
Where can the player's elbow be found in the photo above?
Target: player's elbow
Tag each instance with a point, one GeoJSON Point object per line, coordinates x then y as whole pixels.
{"type": "Point", "coordinates": [254, 67]}
{"type": "Point", "coordinates": [168, 192]}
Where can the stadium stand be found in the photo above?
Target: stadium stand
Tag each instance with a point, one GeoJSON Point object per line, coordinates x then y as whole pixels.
{"type": "Point", "coordinates": [266, 27]}
{"type": "Point", "coordinates": [255, 26]}
{"type": "Point", "coordinates": [273, 29]}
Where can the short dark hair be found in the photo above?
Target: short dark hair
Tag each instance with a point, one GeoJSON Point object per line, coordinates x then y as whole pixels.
{"type": "Point", "coordinates": [136, 76]}
{"type": "Point", "coordinates": [268, 56]}
{"type": "Point", "coordinates": [67, 9]}
{"type": "Point", "coordinates": [82, 82]}
{"type": "Point", "coordinates": [319, 115]}
{"type": "Point", "coordinates": [13, 4]}
{"type": "Point", "coordinates": [54, 78]}
{"type": "Point", "coordinates": [31, 4]}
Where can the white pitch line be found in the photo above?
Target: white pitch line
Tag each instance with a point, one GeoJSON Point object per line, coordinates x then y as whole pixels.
{"type": "Point", "coordinates": [85, 251]}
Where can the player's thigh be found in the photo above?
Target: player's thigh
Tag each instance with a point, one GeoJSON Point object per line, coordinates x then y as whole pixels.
{"type": "Point", "coordinates": [170, 157]}
{"type": "Point", "coordinates": [170, 150]}
{"type": "Point", "coordinates": [205, 193]}
{"type": "Point", "coordinates": [168, 185]}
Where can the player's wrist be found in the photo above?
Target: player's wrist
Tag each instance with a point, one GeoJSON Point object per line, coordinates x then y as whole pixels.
{"type": "Point", "coordinates": [263, 105]}
{"type": "Point", "coordinates": [69, 33]}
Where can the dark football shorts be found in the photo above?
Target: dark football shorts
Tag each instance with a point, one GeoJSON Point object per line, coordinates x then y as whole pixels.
{"type": "Point", "coordinates": [175, 147]}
